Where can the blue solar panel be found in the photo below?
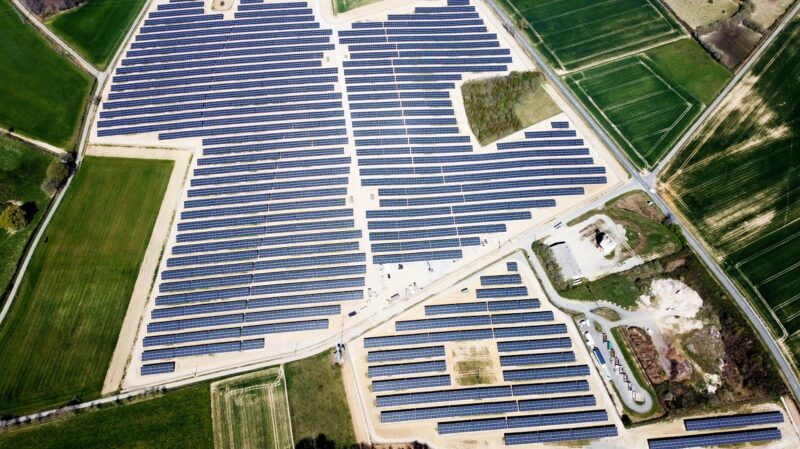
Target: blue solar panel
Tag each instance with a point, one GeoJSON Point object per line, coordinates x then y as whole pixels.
{"type": "Point", "coordinates": [410, 383]}
{"type": "Point", "coordinates": [533, 345]}
{"type": "Point", "coordinates": [406, 368]}
{"type": "Point", "coordinates": [546, 373]}
{"type": "Point", "coordinates": [742, 420]}
{"type": "Point", "coordinates": [537, 359]}
{"type": "Point", "coordinates": [516, 422]}
{"type": "Point", "coordinates": [405, 354]}
{"type": "Point", "coordinates": [716, 439]}
{"type": "Point", "coordinates": [158, 368]}
{"type": "Point", "coordinates": [547, 436]}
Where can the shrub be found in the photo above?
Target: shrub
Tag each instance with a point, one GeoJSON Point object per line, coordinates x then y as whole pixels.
{"type": "Point", "coordinates": [57, 174]}
{"type": "Point", "coordinates": [12, 219]}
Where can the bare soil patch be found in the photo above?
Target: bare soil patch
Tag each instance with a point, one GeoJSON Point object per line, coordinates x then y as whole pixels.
{"type": "Point", "coordinates": [474, 366]}
{"type": "Point", "coordinates": [731, 44]}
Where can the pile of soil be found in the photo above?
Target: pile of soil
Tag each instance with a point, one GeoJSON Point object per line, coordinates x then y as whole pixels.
{"type": "Point", "coordinates": [47, 8]}
{"type": "Point", "coordinates": [646, 352]}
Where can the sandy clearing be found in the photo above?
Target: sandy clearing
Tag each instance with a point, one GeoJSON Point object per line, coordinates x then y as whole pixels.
{"type": "Point", "coordinates": [152, 256]}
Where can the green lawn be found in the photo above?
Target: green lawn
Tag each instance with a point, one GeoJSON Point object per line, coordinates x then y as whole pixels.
{"type": "Point", "coordinates": [317, 400]}
{"type": "Point", "coordinates": [22, 172]}
{"type": "Point", "coordinates": [180, 419]}
{"type": "Point", "coordinates": [57, 341]}
{"type": "Point", "coordinates": [97, 27]}
{"type": "Point", "coordinates": [703, 77]}
{"type": "Point", "coordinates": [43, 95]}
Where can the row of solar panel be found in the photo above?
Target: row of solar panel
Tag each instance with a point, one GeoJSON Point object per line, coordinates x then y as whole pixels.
{"type": "Point", "coordinates": [410, 383]}
{"type": "Point", "coordinates": [461, 335]}
{"type": "Point", "coordinates": [539, 143]}
{"type": "Point", "coordinates": [239, 318]}
{"type": "Point", "coordinates": [281, 301]}
{"type": "Point", "coordinates": [206, 349]}
{"type": "Point", "coordinates": [268, 137]}
{"type": "Point", "coordinates": [262, 254]}
{"type": "Point", "coordinates": [533, 345]}
{"type": "Point", "coordinates": [456, 67]}
{"type": "Point", "coordinates": [264, 265]}
{"type": "Point", "coordinates": [428, 211]}
{"type": "Point", "coordinates": [273, 196]}
{"type": "Point", "coordinates": [466, 62]}
{"type": "Point", "coordinates": [397, 96]}
{"type": "Point", "coordinates": [445, 221]}
{"type": "Point", "coordinates": [177, 43]}
{"type": "Point", "coordinates": [405, 354]}
{"type": "Point", "coordinates": [221, 54]}
{"type": "Point", "coordinates": [487, 196]}
{"type": "Point", "coordinates": [397, 54]}
{"type": "Point", "coordinates": [423, 256]}
{"type": "Point", "coordinates": [716, 439]}
{"type": "Point", "coordinates": [413, 141]}
{"type": "Point", "coordinates": [450, 411]}
{"type": "Point", "coordinates": [433, 233]}
{"type": "Point", "coordinates": [721, 422]}
{"type": "Point", "coordinates": [473, 320]}
{"type": "Point", "coordinates": [147, 31]}
{"type": "Point", "coordinates": [483, 176]}
{"type": "Point", "coordinates": [400, 122]}
{"type": "Point", "coordinates": [267, 146]}
{"type": "Point", "coordinates": [545, 373]}
{"type": "Point", "coordinates": [479, 393]}
{"type": "Point", "coordinates": [545, 358]}
{"type": "Point", "coordinates": [420, 24]}
{"type": "Point", "coordinates": [518, 422]}
{"type": "Point", "coordinates": [406, 368]}
{"type": "Point", "coordinates": [548, 436]}
{"type": "Point", "coordinates": [445, 149]}
{"type": "Point", "coordinates": [432, 29]}
{"type": "Point", "coordinates": [474, 307]}
{"type": "Point", "coordinates": [476, 157]}
{"type": "Point", "coordinates": [355, 49]}
{"type": "Point", "coordinates": [418, 245]}
{"type": "Point", "coordinates": [418, 37]}
{"type": "Point", "coordinates": [486, 166]}
{"type": "Point", "coordinates": [157, 368]}
{"type": "Point", "coordinates": [261, 230]}
{"type": "Point", "coordinates": [497, 185]}
{"type": "Point", "coordinates": [232, 332]}
{"type": "Point", "coordinates": [243, 292]}
{"type": "Point", "coordinates": [501, 279]}
{"type": "Point", "coordinates": [269, 241]}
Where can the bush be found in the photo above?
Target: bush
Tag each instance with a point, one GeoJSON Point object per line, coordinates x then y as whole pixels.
{"type": "Point", "coordinates": [13, 218]}
{"type": "Point", "coordinates": [57, 174]}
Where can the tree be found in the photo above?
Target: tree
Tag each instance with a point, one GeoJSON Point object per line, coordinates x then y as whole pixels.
{"type": "Point", "coordinates": [57, 174]}
{"type": "Point", "coordinates": [13, 218]}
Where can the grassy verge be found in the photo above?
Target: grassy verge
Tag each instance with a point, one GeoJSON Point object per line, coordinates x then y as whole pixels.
{"type": "Point", "coordinates": [22, 175]}
{"type": "Point", "coordinates": [499, 106]}
{"type": "Point", "coordinates": [179, 419]}
{"type": "Point", "coordinates": [97, 27]}
{"type": "Point", "coordinates": [341, 6]}
{"type": "Point", "coordinates": [43, 94]}
{"type": "Point", "coordinates": [641, 379]}
{"type": "Point", "coordinates": [57, 341]}
{"type": "Point", "coordinates": [317, 401]}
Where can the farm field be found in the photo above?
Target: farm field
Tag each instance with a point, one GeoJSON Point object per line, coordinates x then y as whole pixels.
{"type": "Point", "coordinates": [317, 400]}
{"type": "Point", "coordinates": [97, 27]}
{"type": "Point", "coordinates": [59, 336]}
{"type": "Point", "coordinates": [22, 174]}
{"type": "Point", "coordinates": [252, 411]}
{"type": "Point", "coordinates": [737, 182]}
{"type": "Point", "coordinates": [575, 33]}
{"type": "Point", "coordinates": [43, 93]}
{"type": "Point", "coordinates": [647, 101]}
{"type": "Point", "coordinates": [149, 423]}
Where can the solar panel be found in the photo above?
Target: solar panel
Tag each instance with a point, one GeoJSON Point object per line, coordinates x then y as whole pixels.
{"type": "Point", "coordinates": [716, 439]}
{"type": "Point", "coordinates": [546, 436]}
{"type": "Point", "coordinates": [742, 420]}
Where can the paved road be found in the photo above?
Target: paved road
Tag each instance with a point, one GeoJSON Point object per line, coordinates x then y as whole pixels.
{"type": "Point", "coordinates": [758, 324]}
{"type": "Point", "coordinates": [712, 108]}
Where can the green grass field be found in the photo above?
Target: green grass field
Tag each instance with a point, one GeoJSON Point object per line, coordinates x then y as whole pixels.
{"type": "Point", "coordinates": [180, 419]}
{"type": "Point", "coordinates": [642, 109]}
{"type": "Point", "coordinates": [575, 33]}
{"type": "Point", "coordinates": [251, 411]}
{"type": "Point", "coordinates": [43, 94]}
{"type": "Point", "coordinates": [22, 172]}
{"type": "Point", "coordinates": [57, 341]}
{"type": "Point", "coordinates": [317, 400]}
{"type": "Point", "coordinates": [97, 27]}
{"type": "Point", "coordinates": [704, 78]}
{"type": "Point", "coordinates": [737, 182]}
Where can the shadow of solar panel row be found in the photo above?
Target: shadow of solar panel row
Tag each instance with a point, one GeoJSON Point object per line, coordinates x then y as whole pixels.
{"type": "Point", "coordinates": [473, 307]}
{"type": "Point", "coordinates": [721, 422]}
{"type": "Point", "coordinates": [411, 383]}
{"type": "Point", "coordinates": [234, 332]}
{"type": "Point", "coordinates": [393, 355]}
{"type": "Point", "coordinates": [501, 279]}
{"type": "Point", "coordinates": [547, 436]}
{"type": "Point", "coordinates": [244, 292]}
{"type": "Point", "coordinates": [716, 439]}
{"type": "Point", "coordinates": [269, 241]}
{"type": "Point", "coordinates": [518, 422]}
{"type": "Point", "coordinates": [474, 320]}
{"type": "Point", "coordinates": [282, 301]}
{"type": "Point", "coordinates": [478, 393]}
{"type": "Point", "coordinates": [497, 185]}
{"type": "Point", "coordinates": [546, 358]}
{"type": "Point", "coordinates": [203, 26]}
{"type": "Point", "coordinates": [425, 244]}
{"type": "Point", "coordinates": [417, 257]}
{"type": "Point", "coordinates": [239, 318]}
{"type": "Point", "coordinates": [546, 373]}
{"type": "Point", "coordinates": [461, 335]}
{"type": "Point", "coordinates": [311, 273]}
{"type": "Point", "coordinates": [294, 262]}
{"type": "Point", "coordinates": [452, 220]}
{"type": "Point", "coordinates": [533, 345]}
{"type": "Point", "coordinates": [267, 38]}
{"type": "Point", "coordinates": [406, 368]}
{"type": "Point", "coordinates": [205, 349]}
{"type": "Point", "coordinates": [157, 368]}
{"type": "Point", "coordinates": [356, 49]}
{"type": "Point", "coordinates": [214, 96]}
{"type": "Point", "coordinates": [433, 233]}
{"type": "Point", "coordinates": [268, 186]}
{"type": "Point", "coordinates": [264, 253]}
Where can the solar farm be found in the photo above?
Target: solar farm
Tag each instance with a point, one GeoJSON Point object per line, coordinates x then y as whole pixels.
{"type": "Point", "coordinates": [327, 161]}
{"type": "Point", "coordinates": [539, 383]}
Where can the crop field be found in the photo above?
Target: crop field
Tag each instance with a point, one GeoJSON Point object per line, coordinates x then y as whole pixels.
{"type": "Point", "coordinates": [22, 173]}
{"type": "Point", "coordinates": [60, 334]}
{"type": "Point", "coordinates": [317, 401]}
{"type": "Point", "coordinates": [737, 182]}
{"type": "Point", "coordinates": [179, 419]}
{"type": "Point", "coordinates": [43, 94]}
{"type": "Point", "coordinates": [576, 33]}
{"type": "Point", "coordinates": [252, 411]}
{"type": "Point", "coordinates": [643, 109]}
{"type": "Point", "coordinates": [97, 27]}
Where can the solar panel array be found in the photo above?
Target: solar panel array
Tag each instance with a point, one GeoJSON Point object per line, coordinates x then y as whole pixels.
{"type": "Point", "coordinates": [436, 194]}
{"type": "Point", "coordinates": [722, 422]}
{"type": "Point", "coordinates": [542, 386]}
{"type": "Point", "coordinates": [716, 439]}
{"type": "Point", "coordinates": [266, 242]}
